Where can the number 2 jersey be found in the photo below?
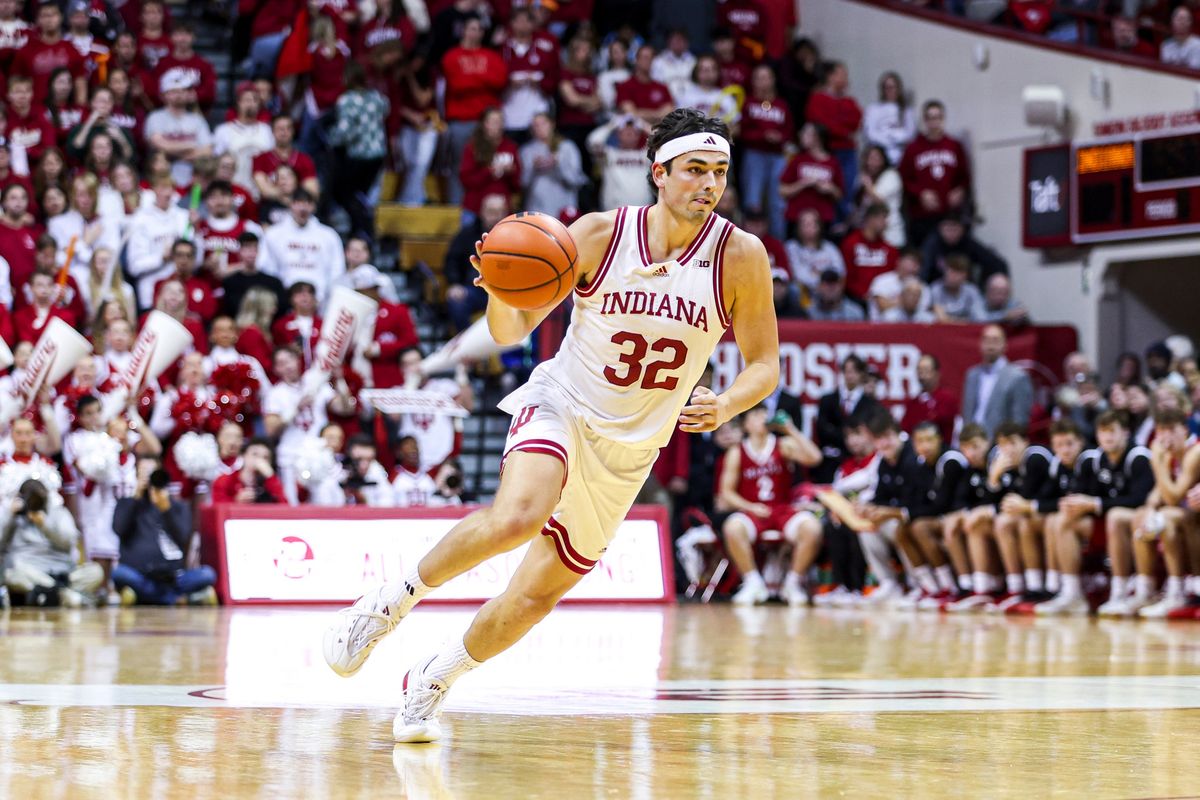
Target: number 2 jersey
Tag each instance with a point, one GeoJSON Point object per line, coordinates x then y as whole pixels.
{"type": "Point", "coordinates": [766, 475]}
{"type": "Point", "coordinates": [641, 333]}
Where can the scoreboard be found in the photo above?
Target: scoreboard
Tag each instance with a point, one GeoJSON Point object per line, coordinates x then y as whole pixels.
{"type": "Point", "coordinates": [1134, 186]}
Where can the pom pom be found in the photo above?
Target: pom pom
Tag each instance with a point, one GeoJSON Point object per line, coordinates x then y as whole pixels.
{"type": "Point", "coordinates": [314, 462]}
{"type": "Point", "coordinates": [14, 473]}
{"type": "Point", "coordinates": [196, 456]}
{"type": "Point", "coordinates": [99, 456]}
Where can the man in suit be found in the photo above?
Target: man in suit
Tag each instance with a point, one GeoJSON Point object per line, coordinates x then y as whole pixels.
{"type": "Point", "coordinates": [996, 391]}
{"type": "Point", "coordinates": [849, 399]}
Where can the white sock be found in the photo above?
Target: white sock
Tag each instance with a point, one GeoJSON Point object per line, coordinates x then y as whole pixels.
{"type": "Point", "coordinates": [1053, 581]}
{"type": "Point", "coordinates": [1174, 587]}
{"type": "Point", "coordinates": [1072, 587]}
{"type": "Point", "coordinates": [410, 591]}
{"type": "Point", "coordinates": [1119, 588]}
{"type": "Point", "coordinates": [1015, 583]}
{"type": "Point", "coordinates": [982, 582]}
{"type": "Point", "coordinates": [1033, 580]}
{"type": "Point", "coordinates": [792, 580]}
{"type": "Point", "coordinates": [753, 578]}
{"type": "Point", "coordinates": [1190, 585]}
{"type": "Point", "coordinates": [964, 582]}
{"type": "Point", "coordinates": [945, 577]}
{"type": "Point", "coordinates": [923, 577]}
{"type": "Point", "coordinates": [451, 663]}
{"type": "Point", "coordinates": [1143, 586]}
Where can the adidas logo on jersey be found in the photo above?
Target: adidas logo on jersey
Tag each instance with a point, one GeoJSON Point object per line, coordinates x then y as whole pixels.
{"type": "Point", "coordinates": [661, 272]}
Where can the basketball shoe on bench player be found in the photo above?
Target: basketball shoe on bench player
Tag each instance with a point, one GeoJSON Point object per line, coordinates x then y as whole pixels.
{"type": "Point", "coordinates": [756, 482]}
{"type": "Point", "coordinates": [657, 289]}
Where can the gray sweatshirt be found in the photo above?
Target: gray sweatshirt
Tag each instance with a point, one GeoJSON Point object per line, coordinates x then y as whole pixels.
{"type": "Point", "coordinates": [49, 548]}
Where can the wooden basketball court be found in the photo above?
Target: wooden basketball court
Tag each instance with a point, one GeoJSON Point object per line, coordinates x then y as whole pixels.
{"type": "Point", "coordinates": [613, 702]}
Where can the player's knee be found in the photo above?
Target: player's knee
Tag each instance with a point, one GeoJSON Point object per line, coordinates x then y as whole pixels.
{"type": "Point", "coordinates": [512, 527]}
{"type": "Point", "coordinates": [532, 605]}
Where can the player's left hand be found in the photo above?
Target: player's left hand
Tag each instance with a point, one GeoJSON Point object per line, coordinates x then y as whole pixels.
{"type": "Point", "coordinates": [702, 413]}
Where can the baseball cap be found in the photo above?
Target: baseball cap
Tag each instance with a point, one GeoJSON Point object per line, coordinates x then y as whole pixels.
{"type": "Point", "coordinates": [366, 277]}
{"type": "Point", "coordinates": [781, 274]}
{"type": "Point", "coordinates": [173, 79]}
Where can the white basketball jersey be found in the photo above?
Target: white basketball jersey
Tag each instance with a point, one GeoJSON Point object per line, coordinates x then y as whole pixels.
{"type": "Point", "coordinates": [642, 332]}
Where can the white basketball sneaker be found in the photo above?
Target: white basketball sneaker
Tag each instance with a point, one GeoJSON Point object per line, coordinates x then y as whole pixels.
{"type": "Point", "coordinates": [357, 629]}
{"type": "Point", "coordinates": [752, 593]}
{"type": "Point", "coordinates": [423, 697]}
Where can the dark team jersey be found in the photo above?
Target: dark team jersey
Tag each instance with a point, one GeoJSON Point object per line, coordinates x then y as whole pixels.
{"type": "Point", "coordinates": [924, 492]}
{"type": "Point", "coordinates": [973, 490]}
{"type": "Point", "coordinates": [1057, 485]}
{"type": "Point", "coordinates": [1026, 478]}
{"type": "Point", "coordinates": [949, 472]}
{"type": "Point", "coordinates": [896, 482]}
{"type": "Point", "coordinates": [1124, 484]}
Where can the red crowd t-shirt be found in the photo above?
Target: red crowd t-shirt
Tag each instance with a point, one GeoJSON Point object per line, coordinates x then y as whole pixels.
{"type": "Point", "coordinates": [939, 166]}
{"type": "Point", "coordinates": [582, 83]}
{"type": "Point", "coordinates": [645, 95]}
{"type": "Point", "coordinates": [766, 125]}
{"type": "Point", "coordinates": [38, 59]}
{"type": "Point", "coordinates": [865, 260]}
{"type": "Point", "coordinates": [804, 166]}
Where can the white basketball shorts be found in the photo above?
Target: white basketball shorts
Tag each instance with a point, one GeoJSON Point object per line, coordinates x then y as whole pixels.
{"type": "Point", "coordinates": [602, 477]}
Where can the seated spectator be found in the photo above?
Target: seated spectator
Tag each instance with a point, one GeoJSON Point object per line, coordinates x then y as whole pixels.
{"type": "Point", "coordinates": [104, 284]}
{"type": "Point", "coordinates": [834, 110]}
{"type": "Point", "coordinates": [878, 182]}
{"type": "Point", "coordinates": [412, 486]}
{"type": "Point", "coordinates": [934, 403]}
{"type": "Point", "coordinates": [26, 122]}
{"type": "Point", "coordinates": [890, 123]}
{"type": "Point", "coordinates": [156, 533]}
{"type": "Point", "coordinates": [1125, 38]}
{"type": "Point", "coordinates": [884, 293]}
{"type": "Point", "coordinates": [255, 481]}
{"type": "Point", "coordinates": [490, 162]}
{"type": "Point", "coordinates": [810, 254]}
{"type": "Point", "coordinates": [623, 161]}
{"type": "Point", "coordinates": [999, 305]}
{"type": "Point", "coordinates": [616, 73]}
{"type": "Point", "coordinates": [100, 122]}
{"type": "Point", "coordinates": [551, 169]}
{"type": "Point", "coordinates": [366, 482]}
{"type": "Point", "coordinates": [702, 91]}
{"type": "Point", "coordinates": [38, 552]}
{"type": "Point", "coordinates": [1159, 367]}
{"type": "Point", "coordinates": [812, 178]}
{"type": "Point", "coordinates": [265, 167]}
{"type": "Point", "coordinates": [475, 77]}
{"type": "Point", "coordinates": [936, 175]}
{"type": "Point", "coordinates": [360, 131]}
{"type": "Point", "coordinates": [952, 236]}
{"type": "Point", "coordinates": [1182, 48]}
{"type": "Point", "coordinates": [641, 95]}
{"type": "Point", "coordinates": [245, 136]}
{"type": "Point", "coordinates": [153, 231]}
{"type": "Point", "coordinates": [300, 328]}
{"type": "Point", "coordinates": [830, 303]}
{"type": "Point", "coordinates": [463, 298]}
{"type": "Point", "coordinates": [866, 253]}
{"type": "Point", "coordinates": [18, 239]}
{"type": "Point", "coordinates": [181, 134]}
{"type": "Point", "coordinates": [302, 248]}
{"type": "Point", "coordinates": [393, 326]}
{"type": "Point", "coordinates": [531, 58]}
{"type": "Point", "coordinates": [787, 304]}
{"type": "Point", "coordinates": [674, 65]}
{"type": "Point", "coordinates": [436, 434]}
{"type": "Point", "coordinates": [913, 305]}
{"type": "Point", "coordinates": [954, 297]}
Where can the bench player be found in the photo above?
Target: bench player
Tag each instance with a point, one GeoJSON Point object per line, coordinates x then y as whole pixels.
{"type": "Point", "coordinates": [756, 482]}
{"type": "Point", "coordinates": [588, 425]}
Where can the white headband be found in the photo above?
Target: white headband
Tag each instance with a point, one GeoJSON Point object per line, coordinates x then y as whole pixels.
{"type": "Point", "coordinates": [693, 141]}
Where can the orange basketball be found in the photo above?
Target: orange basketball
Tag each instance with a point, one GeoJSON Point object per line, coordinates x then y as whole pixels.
{"type": "Point", "coordinates": [528, 260]}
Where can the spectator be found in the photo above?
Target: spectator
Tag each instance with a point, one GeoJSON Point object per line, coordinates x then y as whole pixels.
{"type": "Point", "coordinates": [435, 433]}
{"type": "Point", "coordinates": [463, 298]}
{"type": "Point", "coordinates": [641, 95]}
{"type": "Point", "coordinates": [358, 256]}
{"type": "Point", "coordinates": [153, 232]}
{"type": "Point", "coordinates": [934, 403]}
{"type": "Point", "coordinates": [184, 69]}
{"type": "Point", "coordinates": [475, 76]}
{"type": "Point", "coordinates": [748, 24]}
{"type": "Point", "coordinates": [999, 305]}
{"type": "Point", "coordinates": [258, 309]}
{"type": "Point", "coordinates": [777, 257]}
{"type": "Point", "coordinates": [885, 290]}
{"type": "Point", "coordinates": [104, 284]}
{"type": "Point", "coordinates": [29, 321]}
{"type": "Point", "coordinates": [995, 391]}
{"type": "Point", "coordinates": [181, 134]}
{"type": "Point", "coordinates": [1182, 48]}
{"type": "Point", "coordinates": [490, 162]}
{"type": "Point", "coordinates": [890, 122]}
{"type": "Point", "coordinates": [614, 75]}
{"type": "Point", "coordinates": [1125, 38]}
{"type": "Point", "coordinates": [703, 92]}
{"type": "Point", "coordinates": [360, 130]}
{"type": "Point", "coordinates": [245, 136]}
{"type": "Point", "coordinates": [830, 303]}
{"type": "Point", "coordinates": [811, 254]}
{"type": "Point", "coordinates": [766, 130]}
{"type": "Point", "coordinates": [172, 301]}
{"type": "Point", "coordinates": [117, 355]}
{"type": "Point", "coordinates": [936, 175]}
{"type": "Point", "coordinates": [951, 236]}
{"type": "Point", "coordinates": [255, 481]}
{"type": "Point", "coordinates": [60, 110]}
{"type": "Point", "coordinates": [551, 169]}
{"type": "Point", "coordinates": [266, 166]}
{"type": "Point", "coordinates": [1159, 367]}
{"type": "Point", "coordinates": [156, 533]}
{"type": "Point", "coordinates": [393, 326]}
{"type": "Point", "coordinates": [201, 300]}
{"type": "Point", "coordinates": [867, 254]}
{"type": "Point", "coordinates": [787, 304]}
{"type": "Point", "coordinates": [847, 405]}
{"type": "Point", "coordinates": [303, 248]}
{"type": "Point", "coordinates": [624, 163]}
{"type": "Point", "coordinates": [412, 486]}
{"type": "Point", "coordinates": [271, 22]}
{"type": "Point", "coordinates": [224, 336]}
{"type": "Point", "coordinates": [736, 72]}
{"type": "Point", "coordinates": [532, 64]}
{"type": "Point", "coordinates": [1129, 369]}
{"type": "Point", "coordinates": [878, 182]}
{"type": "Point", "coordinates": [245, 276]}
{"type": "Point", "coordinates": [82, 225]}
{"type": "Point", "coordinates": [579, 103]}
{"type": "Point", "coordinates": [954, 298]}
{"type": "Point", "coordinates": [18, 240]}
{"type": "Point", "coordinates": [673, 67]}
{"type": "Point", "coordinates": [839, 114]}
{"type": "Point", "coordinates": [26, 124]}
{"type": "Point", "coordinates": [418, 138]}
{"type": "Point", "coordinates": [218, 235]}
{"type": "Point", "coordinates": [449, 24]}
{"type": "Point", "coordinates": [300, 328]}
{"type": "Point", "coordinates": [330, 55]}
{"type": "Point", "coordinates": [126, 79]}
{"type": "Point", "coordinates": [14, 33]}
{"type": "Point", "coordinates": [366, 481]}
{"type": "Point", "coordinates": [813, 178]}
{"type": "Point", "coordinates": [37, 545]}
{"type": "Point", "coordinates": [48, 51]}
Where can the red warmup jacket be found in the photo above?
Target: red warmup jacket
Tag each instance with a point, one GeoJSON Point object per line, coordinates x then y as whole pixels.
{"type": "Point", "coordinates": [225, 489]}
{"type": "Point", "coordinates": [394, 332]}
{"type": "Point", "coordinates": [196, 69]}
{"type": "Point", "coordinates": [474, 80]}
{"type": "Point", "coordinates": [478, 180]}
{"type": "Point", "coordinates": [841, 116]}
{"type": "Point", "coordinates": [865, 260]}
{"type": "Point", "coordinates": [941, 166]}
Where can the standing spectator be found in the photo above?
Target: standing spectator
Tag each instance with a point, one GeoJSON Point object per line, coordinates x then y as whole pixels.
{"type": "Point", "coordinates": [155, 533]}
{"type": "Point", "coordinates": [936, 175]}
{"type": "Point", "coordinates": [255, 481]}
{"type": "Point", "coordinates": [1182, 48]}
{"type": "Point", "coordinates": [934, 403]}
{"type": "Point", "coordinates": [810, 254]}
{"type": "Point", "coordinates": [393, 326]}
{"type": "Point", "coordinates": [18, 239]}
{"type": "Point", "coordinates": [181, 134]}
{"type": "Point", "coordinates": [29, 321]}
{"type": "Point", "coordinates": [866, 253]}
{"type": "Point", "coordinates": [60, 108]}
{"type": "Point", "coordinates": [185, 69]}
{"type": "Point", "coordinates": [153, 231]}
{"type": "Point", "coordinates": [300, 328]}
{"type": "Point", "coordinates": [154, 42]}
{"type": "Point", "coordinates": [463, 298]}
{"type": "Point", "coordinates": [884, 293]}
{"type": "Point", "coordinates": [271, 22]}
{"type": "Point", "coordinates": [848, 401]}
{"type": "Point", "coordinates": [128, 114]}
{"type": "Point", "coordinates": [358, 256]}
{"type": "Point", "coordinates": [579, 103]}
{"type": "Point", "coordinates": [435, 433]}
{"type": "Point", "coordinates": [303, 248]}
{"type": "Point", "coordinates": [245, 136]}
{"type": "Point", "coordinates": [391, 23]}
{"type": "Point", "coordinates": [490, 162]}
{"type": "Point", "coordinates": [995, 391]}
{"type": "Point", "coordinates": [999, 304]}
{"type": "Point", "coordinates": [47, 51]}
{"type": "Point", "coordinates": [551, 169]}
{"type": "Point", "coordinates": [953, 297]}
{"type": "Point", "coordinates": [1125, 38]}
{"type": "Point", "coordinates": [265, 166]}
{"type": "Point", "coordinates": [475, 76]}
{"type": "Point", "coordinates": [26, 124]}
{"type": "Point", "coordinates": [913, 307]}
{"type": "Point", "coordinates": [890, 122]}
{"type": "Point", "coordinates": [532, 64]}
{"type": "Point", "coordinates": [830, 303]}
{"type": "Point", "coordinates": [218, 235]}
{"type": "Point", "coordinates": [952, 237]}
{"type": "Point", "coordinates": [641, 94]}
{"type": "Point", "coordinates": [83, 225]}
{"type": "Point", "coordinates": [673, 66]}
{"type": "Point", "coordinates": [733, 70]}
{"type": "Point", "coordinates": [813, 178]}
{"type": "Point", "coordinates": [747, 21]}
{"type": "Point", "coordinates": [766, 130]}
{"type": "Point", "coordinates": [878, 182]}
{"type": "Point", "coordinates": [702, 91]}
{"type": "Point", "coordinates": [839, 114]}
{"type": "Point", "coordinates": [616, 73]}
{"type": "Point", "coordinates": [360, 130]}
{"type": "Point", "coordinates": [451, 23]}
{"type": "Point", "coordinates": [326, 82]}
{"type": "Point", "coordinates": [418, 138]}
{"type": "Point", "coordinates": [624, 164]}
{"type": "Point", "coordinates": [14, 33]}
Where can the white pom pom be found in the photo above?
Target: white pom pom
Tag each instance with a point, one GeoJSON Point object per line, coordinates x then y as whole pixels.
{"type": "Point", "coordinates": [99, 456]}
{"type": "Point", "coordinates": [197, 457]}
{"type": "Point", "coordinates": [314, 462]}
{"type": "Point", "coordinates": [14, 473]}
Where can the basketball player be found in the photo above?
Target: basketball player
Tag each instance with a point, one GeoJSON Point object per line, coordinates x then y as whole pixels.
{"type": "Point", "coordinates": [756, 482]}
{"type": "Point", "coordinates": [588, 425]}
{"type": "Point", "coordinates": [971, 492]}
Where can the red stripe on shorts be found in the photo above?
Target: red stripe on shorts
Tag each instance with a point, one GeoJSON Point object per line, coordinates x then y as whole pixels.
{"type": "Point", "coordinates": [566, 538]}
{"type": "Point", "coordinates": [562, 554]}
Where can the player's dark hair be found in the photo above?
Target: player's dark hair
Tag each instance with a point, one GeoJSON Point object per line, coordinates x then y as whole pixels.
{"type": "Point", "coordinates": [1007, 430]}
{"type": "Point", "coordinates": [680, 122]}
{"type": "Point", "coordinates": [1170, 418]}
{"type": "Point", "coordinates": [927, 426]}
{"type": "Point", "coordinates": [1065, 427]}
{"type": "Point", "coordinates": [1112, 417]}
{"type": "Point", "coordinates": [972, 432]}
{"type": "Point", "coordinates": [882, 423]}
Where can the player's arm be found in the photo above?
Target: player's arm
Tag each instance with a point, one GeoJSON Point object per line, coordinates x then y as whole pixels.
{"type": "Point", "coordinates": [729, 483]}
{"type": "Point", "coordinates": [509, 325]}
{"type": "Point", "coordinates": [1172, 492]}
{"type": "Point", "coordinates": [747, 282]}
{"type": "Point", "coordinates": [797, 447]}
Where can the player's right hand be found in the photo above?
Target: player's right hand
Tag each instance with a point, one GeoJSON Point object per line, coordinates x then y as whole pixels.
{"type": "Point", "coordinates": [760, 510]}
